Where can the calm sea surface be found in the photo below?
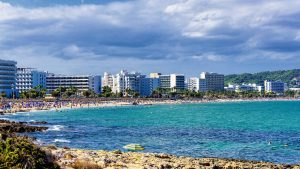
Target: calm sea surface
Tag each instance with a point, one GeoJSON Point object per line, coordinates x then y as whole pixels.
{"type": "Point", "coordinates": [240, 130]}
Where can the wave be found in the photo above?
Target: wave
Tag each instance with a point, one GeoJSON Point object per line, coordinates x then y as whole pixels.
{"type": "Point", "coordinates": [56, 128]}
{"type": "Point", "coordinates": [61, 141]}
{"type": "Point", "coordinates": [38, 142]}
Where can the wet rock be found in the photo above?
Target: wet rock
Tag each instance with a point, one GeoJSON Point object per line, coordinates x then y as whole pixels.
{"type": "Point", "coordinates": [52, 147]}
{"type": "Point", "coordinates": [66, 148]}
{"type": "Point", "coordinates": [38, 122]}
{"type": "Point", "coordinates": [18, 127]}
{"type": "Point", "coordinates": [163, 156]}
{"type": "Point", "coordinates": [117, 152]}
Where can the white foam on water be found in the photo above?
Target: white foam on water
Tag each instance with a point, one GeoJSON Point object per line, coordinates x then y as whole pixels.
{"type": "Point", "coordinates": [61, 141]}
{"type": "Point", "coordinates": [56, 128]}
{"type": "Point", "coordinates": [39, 142]}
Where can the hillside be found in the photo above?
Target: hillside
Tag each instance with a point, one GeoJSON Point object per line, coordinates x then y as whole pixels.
{"type": "Point", "coordinates": [286, 76]}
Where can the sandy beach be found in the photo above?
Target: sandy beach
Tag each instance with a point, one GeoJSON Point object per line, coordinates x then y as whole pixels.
{"type": "Point", "coordinates": [15, 106]}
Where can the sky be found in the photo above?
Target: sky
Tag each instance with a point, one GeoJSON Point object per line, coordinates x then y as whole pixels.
{"type": "Point", "coordinates": [169, 36]}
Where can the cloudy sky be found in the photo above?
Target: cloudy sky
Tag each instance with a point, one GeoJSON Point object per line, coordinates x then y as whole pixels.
{"type": "Point", "coordinates": [180, 36]}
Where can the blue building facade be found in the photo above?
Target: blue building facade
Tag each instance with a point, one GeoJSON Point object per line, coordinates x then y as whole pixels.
{"type": "Point", "coordinates": [8, 70]}
{"type": "Point", "coordinates": [276, 87]}
{"type": "Point", "coordinates": [148, 85]}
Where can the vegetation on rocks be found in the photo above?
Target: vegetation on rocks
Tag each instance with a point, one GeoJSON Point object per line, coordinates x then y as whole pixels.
{"type": "Point", "coordinates": [20, 152]}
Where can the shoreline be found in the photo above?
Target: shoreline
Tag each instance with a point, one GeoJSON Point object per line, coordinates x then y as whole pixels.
{"type": "Point", "coordinates": [66, 158]}
{"type": "Point", "coordinates": [130, 102]}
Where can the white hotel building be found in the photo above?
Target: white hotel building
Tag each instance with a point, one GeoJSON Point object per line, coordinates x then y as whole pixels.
{"type": "Point", "coordinates": [28, 78]}
{"type": "Point", "coordinates": [80, 82]}
{"type": "Point", "coordinates": [193, 84]}
{"type": "Point", "coordinates": [8, 70]}
{"type": "Point", "coordinates": [122, 81]}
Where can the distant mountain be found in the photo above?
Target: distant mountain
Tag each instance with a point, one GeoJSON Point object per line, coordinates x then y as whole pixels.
{"type": "Point", "coordinates": [291, 77]}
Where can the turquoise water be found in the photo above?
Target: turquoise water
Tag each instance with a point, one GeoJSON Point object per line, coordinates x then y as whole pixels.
{"type": "Point", "coordinates": [240, 130]}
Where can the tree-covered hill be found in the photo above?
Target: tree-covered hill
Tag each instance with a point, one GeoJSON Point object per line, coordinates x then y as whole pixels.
{"type": "Point", "coordinates": [258, 78]}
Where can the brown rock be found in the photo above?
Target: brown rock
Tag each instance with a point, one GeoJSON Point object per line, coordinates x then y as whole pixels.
{"type": "Point", "coordinates": [68, 156]}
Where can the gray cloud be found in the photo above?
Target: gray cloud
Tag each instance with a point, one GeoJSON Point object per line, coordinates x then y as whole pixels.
{"type": "Point", "coordinates": [151, 32]}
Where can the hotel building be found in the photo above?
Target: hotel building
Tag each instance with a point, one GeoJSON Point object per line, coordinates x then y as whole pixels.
{"type": "Point", "coordinates": [123, 80]}
{"type": "Point", "coordinates": [276, 87]}
{"type": "Point", "coordinates": [193, 84]}
{"type": "Point", "coordinates": [148, 85]}
{"type": "Point", "coordinates": [165, 81]}
{"type": "Point", "coordinates": [107, 80]}
{"type": "Point", "coordinates": [177, 81]}
{"type": "Point", "coordinates": [28, 78]}
{"type": "Point", "coordinates": [80, 82]}
{"type": "Point", "coordinates": [211, 82]}
{"type": "Point", "coordinates": [8, 70]}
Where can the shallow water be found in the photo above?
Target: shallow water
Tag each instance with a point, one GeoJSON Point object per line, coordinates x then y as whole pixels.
{"type": "Point", "coordinates": [229, 130]}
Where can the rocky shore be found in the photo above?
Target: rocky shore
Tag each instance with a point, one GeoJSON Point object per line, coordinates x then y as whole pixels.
{"type": "Point", "coordinates": [19, 127]}
{"type": "Point", "coordinates": [72, 158]}
{"type": "Point", "coordinates": [66, 158]}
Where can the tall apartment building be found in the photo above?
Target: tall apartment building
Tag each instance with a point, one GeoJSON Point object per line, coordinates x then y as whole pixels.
{"type": "Point", "coordinates": [276, 87]}
{"type": "Point", "coordinates": [107, 80]}
{"type": "Point", "coordinates": [172, 81]}
{"type": "Point", "coordinates": [177, 81]}
{"type": "Point", "coordinates": [123, 80]}
{"type": "Point", "coordinates": [28, 78]}
{"type": "Point", "coordinates": [8, 70]}
{"type": "Point", "coordinates": [148, 85]}
{"type": "Point", "coordinates": [80, 82]}
{"type": "Point", "coordinates": [165, 81]}
{"type": "Point", "coordinates": [193, 84]}
{"type": "Point", "coordinates": [211, 81]}
{"type": "Point", "coordinates": [202, 85]}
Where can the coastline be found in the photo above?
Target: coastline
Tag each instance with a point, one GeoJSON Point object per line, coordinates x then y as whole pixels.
{"type": "Point", "coordinates": [134, 102]}
{"type": "Point", "coordinates": [68, 158]}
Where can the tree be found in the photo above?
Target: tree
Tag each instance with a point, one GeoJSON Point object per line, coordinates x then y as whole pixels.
{"type": "Point", "coordinates": [71, 91]}
{"type": "Point", "coordinates": [290, 93]}
{"type": "Point", "coordinates": [106, 91]}
{"type": "Point", "coordinates": [120, 94]}
{"type": "Point", "coordinates": [3, 94]}
{"type": "Point", "coordinates": [129, 92]}
{"type": "Point", "coordinates": [87, 93]}
{"type": "Point", "coordinates": [58, 92]}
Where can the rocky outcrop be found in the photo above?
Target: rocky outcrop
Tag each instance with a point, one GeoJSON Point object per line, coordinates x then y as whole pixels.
{"type": "Point", "coordinates": [18, 127]}
{"type": "Point", "coordinates": [67, 158]}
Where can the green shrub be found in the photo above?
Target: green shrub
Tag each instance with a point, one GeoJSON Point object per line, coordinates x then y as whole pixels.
{"type": "Point", "coordinates": [20, 152]}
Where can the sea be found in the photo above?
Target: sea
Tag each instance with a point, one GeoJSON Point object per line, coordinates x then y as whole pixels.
{"type": "Point", "coordinates": [260, 131]}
